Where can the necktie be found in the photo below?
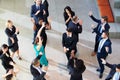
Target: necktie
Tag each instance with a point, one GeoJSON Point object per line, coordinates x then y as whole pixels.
{"type": "Point", "coordinates": [99, 28]}
{"type": "Point", "coordinates": [100, 45]}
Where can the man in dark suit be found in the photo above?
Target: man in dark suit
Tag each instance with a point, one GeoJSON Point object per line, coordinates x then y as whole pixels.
{"type": "Point", "coordinates": [75, 26]}
{"type": "Point", "coordinates": [77, 68]}
{"type": "Point", "coordinates": [69, 41]}
{"type": "Point", "coordinates": [36, 71]}
{"type": "Point", "coordinates": [104, 48]}
{"type": "Point", "coordinates": [101, 27]}
{"type": "Point", "coordinates": [115, 68]}
{"type": "Point", "coordinates": [37, 11]}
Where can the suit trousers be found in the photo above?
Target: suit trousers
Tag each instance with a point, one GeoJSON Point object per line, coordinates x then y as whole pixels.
{"type": "Point", "coordinates": [68, 54]}
{"type": "Point", "coordinates": [100, 63]}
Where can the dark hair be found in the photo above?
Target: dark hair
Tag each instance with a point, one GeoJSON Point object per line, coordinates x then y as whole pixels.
{"type": "Point", "coordinates": [35, 61]}
{"type": "Point", "coordinates": [69, 29]}
{"type": "Point", "coordinates": [36, 40]}
{"type": "Point", "coordinates": [80, 65]}
{"type": "Point", "coordinates": [106, 33]}
{"type": "Point", "coordinates": [4, 46]}
{"type": "Point", "coordinates": [69, 9]}
{"type": "Point", "coordinates": [105, 18]}
{"type": "Point", "coordinates": [9, 77]}
{"type": "Point", "coordinates": [118, 66]}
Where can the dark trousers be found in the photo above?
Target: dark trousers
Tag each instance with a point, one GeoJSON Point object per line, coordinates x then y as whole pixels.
{"type": "Point", "coordinates": [100, 64]}
{"type": "Point", "coordinates": [68, 54]}
{"type": "Point", "coordinates": [96, 44]}
{"type": "Point", "coordinates": [108, 78]}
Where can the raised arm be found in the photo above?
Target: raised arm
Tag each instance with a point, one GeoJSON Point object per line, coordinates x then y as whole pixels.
{"type": "Point", "coordinates": [93, 18]}
{"type": "Point", "coordinates": [40, 30]}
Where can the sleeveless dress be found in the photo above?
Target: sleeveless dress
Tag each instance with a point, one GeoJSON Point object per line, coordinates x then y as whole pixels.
{"type": "Point", "coordinates": [43, 59]}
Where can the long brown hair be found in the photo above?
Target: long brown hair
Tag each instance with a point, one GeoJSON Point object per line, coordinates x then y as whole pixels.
{"type": "Point", "coordinates": [36, 40]}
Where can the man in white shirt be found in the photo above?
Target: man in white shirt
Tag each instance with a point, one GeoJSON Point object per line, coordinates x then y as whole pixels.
{"type": "Point", "coordinates": [114, 73]}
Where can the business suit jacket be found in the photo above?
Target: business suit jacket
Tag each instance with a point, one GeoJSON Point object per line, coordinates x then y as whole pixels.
{"type": "Point", "coordinates": [34, 10]}
{"type": "Point", "coordinates": [69, 42]}
{"type": "Point", "coordinates": [11, 33]}
{"type": "Point", "coordinates": [97, 29]}
{"type": "Point", "coordinates": [112, 71]}
{"type": "Point", "coordinates": [76, 74]}
{"type": "Point", "coordinates": [103, 53]}
{"type": "Point", "coordinates": [76, 29]}
{"type": "Point", "coordinates": [36, 74]}
{"type": "Point", "coordinates": [6, 59]}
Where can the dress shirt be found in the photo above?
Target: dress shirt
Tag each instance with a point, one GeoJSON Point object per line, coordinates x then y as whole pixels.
{"type": "Point", "coordinates": [101, 44]}
{"type": "Point", "coordinates": [116, 76]}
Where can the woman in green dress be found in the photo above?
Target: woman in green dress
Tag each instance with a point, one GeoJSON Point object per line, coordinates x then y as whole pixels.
{"type": "Point", "coordinates": [39, 48]}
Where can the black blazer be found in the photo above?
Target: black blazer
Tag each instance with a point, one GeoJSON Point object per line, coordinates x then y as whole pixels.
{"type": "Point", "coordinates": [11, 33]}
{"type": "Point", "coordinates": [69, 42]}
{"type": "Point", "coordinates": [6, 59]}
{"type": "Point", "coordinates": [112, 71]}
{"type": "Point", "coordinates": [97, 29]}
{"type": "Point", "coordinates": [76, 29]}
{"type": "Point", "coordinates": [103, 53]}
{"type": "Point", "coordinates": [76, 73]}
{"type": "Point", "coordinates": [36, 74]}
{"type": "Point", "coordinates": [34, 10]}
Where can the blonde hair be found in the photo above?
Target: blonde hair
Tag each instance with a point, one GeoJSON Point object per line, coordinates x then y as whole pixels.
{"type": "Point", "coordinates": [8, 23]}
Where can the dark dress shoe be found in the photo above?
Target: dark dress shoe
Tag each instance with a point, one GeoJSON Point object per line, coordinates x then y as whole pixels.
{"type": "Point", "coordinates": [98, 70]}
{"type": "Point", "coordinates": [101, 75]}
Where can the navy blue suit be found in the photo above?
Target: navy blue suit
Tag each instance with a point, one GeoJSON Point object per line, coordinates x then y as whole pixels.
{"type": "Point", "coordinates": [34, 9]}
{"type": "Point", "coordinates": [112, 71]}
{"type": "Point", "coordinates": [76, 29]}
{"type": "Point", "coordinates": [36, 74]}
{"type": "Point", "coordinates": [97, 31]}
{"type": "Point", "coordinates": [103, 53]}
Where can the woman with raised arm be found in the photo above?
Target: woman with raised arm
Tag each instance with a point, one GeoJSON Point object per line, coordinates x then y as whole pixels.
{"type": "Point", "coordinates": [39, 48]}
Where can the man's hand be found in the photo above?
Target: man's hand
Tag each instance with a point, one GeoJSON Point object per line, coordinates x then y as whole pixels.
{"type": "Point", "coordinates": [65, 49]}
{"type": "Point", "coordinates": [90, 13]}
{"type": "Point", "coordinates": [80, 22]}
{"type": "Point", "coordinates": [92, 26]}
{"type": "Point", "coordinates": [103, 61]}
{"type": "Point", "coordinates": [37, 12]}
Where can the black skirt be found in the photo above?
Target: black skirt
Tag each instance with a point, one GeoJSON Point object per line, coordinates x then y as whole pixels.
{"type": "Point", "coordinates": [15, 47]}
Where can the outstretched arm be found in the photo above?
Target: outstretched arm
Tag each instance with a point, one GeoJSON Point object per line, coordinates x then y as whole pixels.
{"type": "Point", "coordinates": [93, 18]}
{"type": "Point", "coordinates": [40, 30]}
